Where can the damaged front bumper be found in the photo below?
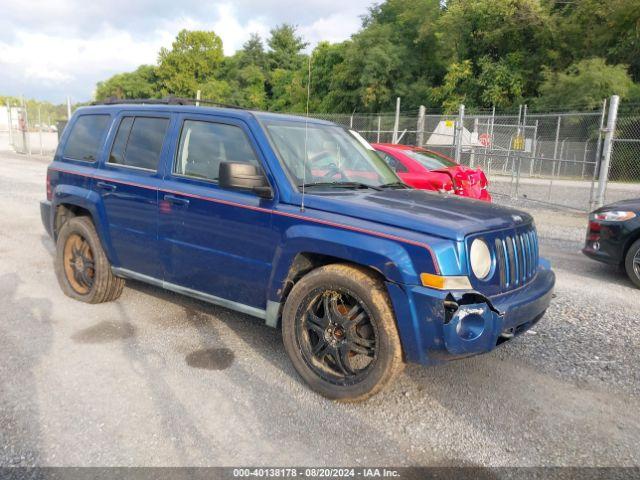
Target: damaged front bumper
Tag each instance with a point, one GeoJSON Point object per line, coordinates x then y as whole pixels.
{"type": "Point", "coordinates": [440, 326]}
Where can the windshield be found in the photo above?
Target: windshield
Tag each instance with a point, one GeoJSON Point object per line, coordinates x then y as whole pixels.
{"type": "Point", "coordinates": [327, 155]}
{"type": "Point", "coordinates": [429, 160]}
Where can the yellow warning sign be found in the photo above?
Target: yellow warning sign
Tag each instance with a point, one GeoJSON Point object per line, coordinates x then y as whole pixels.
{"type": "Point", "coordinates": [448, 123]}
{"type": "Point", "coordinates": [517, 143]}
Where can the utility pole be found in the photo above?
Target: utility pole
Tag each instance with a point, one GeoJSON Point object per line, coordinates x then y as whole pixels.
{"type": "Point", "coordinates": [596, 160]}
{"type": "Point", "coordinates": [607, 148]}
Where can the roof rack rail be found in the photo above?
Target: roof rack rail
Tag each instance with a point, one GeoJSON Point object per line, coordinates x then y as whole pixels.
{"type": "Point", "coordinates": [170, 100]}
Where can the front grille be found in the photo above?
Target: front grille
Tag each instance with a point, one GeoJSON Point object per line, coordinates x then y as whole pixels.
{"type": "Point", "coordinates": [517, 258]}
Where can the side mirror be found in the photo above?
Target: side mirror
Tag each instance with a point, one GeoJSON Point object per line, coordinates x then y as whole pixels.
{"type": "Point", "coordinates": [244, 176]}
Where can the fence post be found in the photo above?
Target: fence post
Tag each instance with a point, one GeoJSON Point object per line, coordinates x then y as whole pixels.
{"type": "Point", "coordinates": [40, 131]}
{"type": "Point", "coordinates": [519, 118]}
{"type": "Point", "coordinates": [197, 98]}
{"type": "Point", "coordinates": [472, 158]}
{"type": "Point", "coordinates": [378, 136]}
{"type": "Point", "coordinates": [555, 147]}
{"type": "Point", "coordinates": [518, 175]}
{"type": "Point", "coordinates": [396, 123]}
{"type": "Point", "coordinates": [460, 130]}
{"type": "Point", "coordinates": [596, 160]}
{"type": "Point", "coordinates": [420, 126]}
{"type": "Point", "coordinates": [607, 148]}
{"type": "Point", "coordinates": [10, 123]}
{"type": "Point", "coordinates": [534, 147]}
{"type": "Point", "coordinates": [25, 131]}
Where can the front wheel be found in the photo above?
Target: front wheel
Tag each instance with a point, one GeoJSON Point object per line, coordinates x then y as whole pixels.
{"type": "Point", "coordinates": [339, 331]}
{"type": "Point", "coordinates": [632, 263]}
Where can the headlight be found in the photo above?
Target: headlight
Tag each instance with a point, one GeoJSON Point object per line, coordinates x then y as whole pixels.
{"type": "Point", "coordinates": [614, 216]}
{"type": "Point", "coordinates": [480, 258]}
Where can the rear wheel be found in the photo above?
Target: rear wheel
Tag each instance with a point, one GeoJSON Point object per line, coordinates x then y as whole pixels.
{"type": "Point", "coordinates": [82, 268]}
{"type": "Point", "coordinates": [632, 263]}
{"type": "Point", "coordinates": [340, 333]}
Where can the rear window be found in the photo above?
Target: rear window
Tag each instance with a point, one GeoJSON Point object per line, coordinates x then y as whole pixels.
{"type": "Point", "coordinates": [429, 160]}
{"type": "Point", "coordinates": [86, 137]}
{"type": "Point", "coordinates": [138, 142]}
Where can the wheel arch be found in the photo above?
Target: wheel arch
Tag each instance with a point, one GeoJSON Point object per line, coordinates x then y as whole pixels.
{"type": "Point", "coordinates": [70, 201]}
{"type": "Point", "coordinates": [633, 238]}
{"type": "Point", "coordinates": [308, 247]}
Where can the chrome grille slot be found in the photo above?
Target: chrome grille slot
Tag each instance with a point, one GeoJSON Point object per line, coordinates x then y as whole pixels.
{"type": "Point", "coordinates": [516, 258]}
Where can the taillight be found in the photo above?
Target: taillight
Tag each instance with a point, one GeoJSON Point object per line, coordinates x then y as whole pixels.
{"type": "Point", "coordinates": [49, 190]}
{"type": "Point", "coordinates": [594, 232]}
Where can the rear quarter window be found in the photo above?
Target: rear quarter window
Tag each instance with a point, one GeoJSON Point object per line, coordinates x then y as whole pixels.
{"type": "Point", "coordinates": [86, 137]}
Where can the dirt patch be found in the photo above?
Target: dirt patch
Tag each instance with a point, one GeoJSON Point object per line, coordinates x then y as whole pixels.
{"type": "Point", "coordinates": [104, 332]}
{"type": "Point", "coordinates": [211, 359]}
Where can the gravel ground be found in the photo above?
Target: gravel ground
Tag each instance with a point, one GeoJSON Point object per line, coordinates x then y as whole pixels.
{"type": "Point", "coordinates": [162, 380]}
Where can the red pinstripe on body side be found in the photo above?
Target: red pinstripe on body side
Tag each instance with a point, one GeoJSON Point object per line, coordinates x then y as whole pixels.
{"type": "Point", "coordinates": [266, 210]}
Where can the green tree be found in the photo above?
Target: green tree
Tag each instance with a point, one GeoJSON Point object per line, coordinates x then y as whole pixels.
{"type": "Point", "coordinates": [584, 84]}
{"type": "Point", "coordinates": [459, 86]}
{"type": "Point", "coordinates": [193, 60]}
{"type": "Point", "coordinates": [252, 53]}
{"type": "Point", "coordinates": [393, 55]}
{"type": "Point", "coordinates": [285, 48]}
{"type": "Point", "coordinates": [593, 28]}
{"type": "Point", "coordinates": [141, 83]}
{"type": "Point", "coordinates": [506, 42]}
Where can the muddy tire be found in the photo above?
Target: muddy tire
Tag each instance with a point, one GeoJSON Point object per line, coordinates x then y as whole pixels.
{"type": "Point", "coordinates": [339, 331]}
{"type": "Point", "coordinates": [81, 266]}
{"type": "Point", "coordinates": [632, 263]}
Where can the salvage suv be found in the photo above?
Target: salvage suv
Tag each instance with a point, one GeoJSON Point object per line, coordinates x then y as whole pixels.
{"type": "Point", "coordinates": [295, 221]}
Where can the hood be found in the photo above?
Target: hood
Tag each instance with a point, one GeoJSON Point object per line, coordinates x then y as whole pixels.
{"type": "Point", "coordinates": [445, 216]}
{"type": "Point", "coordinates": [630, 204]}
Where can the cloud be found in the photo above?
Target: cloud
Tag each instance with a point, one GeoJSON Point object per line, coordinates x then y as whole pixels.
{"type": "Point", "coordinates": [54, 49]}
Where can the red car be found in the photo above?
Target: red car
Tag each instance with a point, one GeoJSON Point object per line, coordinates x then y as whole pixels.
{"type": "Point", "coordinates": [429, 170]}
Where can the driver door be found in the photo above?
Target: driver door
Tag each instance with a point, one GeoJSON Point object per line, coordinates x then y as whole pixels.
{"type": "Point", "coordinates": [215, 241]}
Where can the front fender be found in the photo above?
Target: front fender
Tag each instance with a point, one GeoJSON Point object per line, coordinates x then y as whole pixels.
{"type": "Point", "coordinates": [91, 201]}
{"type": "Point", "coordinates": [392, 259]}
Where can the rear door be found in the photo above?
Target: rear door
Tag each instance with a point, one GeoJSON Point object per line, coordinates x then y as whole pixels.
{"type": "Point", "coordinates": [128, 184]}
{"type": "Point", "coordinates": [215, 241]}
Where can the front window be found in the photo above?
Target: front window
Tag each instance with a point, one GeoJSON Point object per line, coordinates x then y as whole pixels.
{"type": "Point", "coordinates": [428, 160]}
{"type": "Point", "coordinates": [328, 155]}
{"type": "Point", "coordinates": [205, 145]}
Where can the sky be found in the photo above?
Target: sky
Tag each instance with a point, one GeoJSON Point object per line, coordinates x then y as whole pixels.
{"type": "Point", "coordinates": [51, 49]}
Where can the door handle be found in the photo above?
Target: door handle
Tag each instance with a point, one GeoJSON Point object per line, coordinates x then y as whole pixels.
{"type": "Point", "coordinates": [106, 186]}
{"type": "Point", "coordinates": [176, 200]}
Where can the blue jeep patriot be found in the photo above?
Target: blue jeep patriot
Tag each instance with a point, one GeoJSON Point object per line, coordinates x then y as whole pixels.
{"type": "Point", "coordinates": [294, 221]}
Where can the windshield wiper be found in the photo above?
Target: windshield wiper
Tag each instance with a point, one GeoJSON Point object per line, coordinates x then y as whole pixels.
{"type": "Point", "coordinates": [394, 185]}
{"type": "Point", "coordinates": [353, 185]}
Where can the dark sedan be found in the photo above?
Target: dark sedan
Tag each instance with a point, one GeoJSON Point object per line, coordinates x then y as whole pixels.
{"type": "Point", "coordinates": [614, 236]}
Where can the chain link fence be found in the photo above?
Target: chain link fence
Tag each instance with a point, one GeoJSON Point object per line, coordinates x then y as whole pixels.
{"type": "Point", "coordinates": [549, 158]}
{"type": "Point", "coordinates": [27, 132]}
{"type": "Point", "coordinates": [572, 159]}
